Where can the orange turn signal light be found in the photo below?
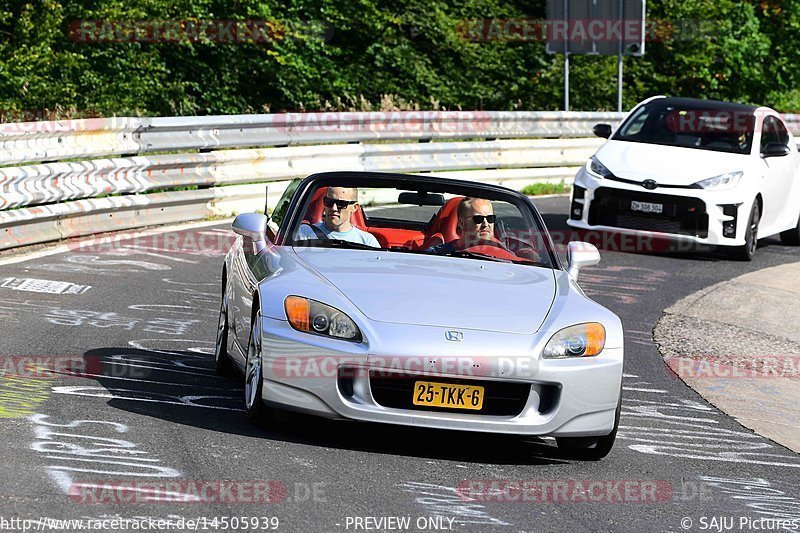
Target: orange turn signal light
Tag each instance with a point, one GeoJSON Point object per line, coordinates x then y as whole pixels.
{"type": "Point", "coordinates": [595, 338]}
{"type": "Point", "coordinates": [297, 311]}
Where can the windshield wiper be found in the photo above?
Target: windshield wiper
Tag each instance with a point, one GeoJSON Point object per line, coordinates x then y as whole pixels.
{"type": "Point", "coordinates": [404, 250]}
{"type": "Point", "coordinates": [333, 243]}
{"type": "Point", "coordinates": [469, 255]}
{"type": "Point", "coordinates": [475, 255]}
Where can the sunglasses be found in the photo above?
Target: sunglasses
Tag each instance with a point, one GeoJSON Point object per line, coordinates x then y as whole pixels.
{"type": "Point", "coordinates": [478, 219]}
{"type": "Point", "coordinates": [341, 204]}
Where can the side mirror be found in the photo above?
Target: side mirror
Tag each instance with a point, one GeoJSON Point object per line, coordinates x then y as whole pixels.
{"type": "Point", "coordinates": [774, 149]}
{"type": "Point", "coordinates": [579, 255]}
{"type": "Point", "coordinates": [602, 130]}
{"type": "Point", "coordinates": [252, 226]}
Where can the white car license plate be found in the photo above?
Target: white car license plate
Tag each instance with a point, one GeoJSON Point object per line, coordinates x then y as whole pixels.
{"type": "Point", "coordinates": [646, 207]}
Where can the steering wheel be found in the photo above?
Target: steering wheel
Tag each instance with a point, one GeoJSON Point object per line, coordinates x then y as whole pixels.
{"type": "Point", "coordinates": [492, 249]}
{"type": "Point", "coordinates": [522, 249]}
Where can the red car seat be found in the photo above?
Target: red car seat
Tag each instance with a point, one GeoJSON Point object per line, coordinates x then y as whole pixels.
{"type": "Point", "coordinates": [443, 227]}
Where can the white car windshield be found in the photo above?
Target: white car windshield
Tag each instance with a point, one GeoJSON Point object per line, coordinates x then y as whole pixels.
{"type": "Point", "coordinates": [422, 218]}
{"type": "Point", "coordinates": [712, 126]}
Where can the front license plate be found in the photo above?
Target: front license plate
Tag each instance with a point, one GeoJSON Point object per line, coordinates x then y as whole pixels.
{"type": "Point", "coordinates": [448, 395]}
{"type": "Point", "coordinates": [646, 207]}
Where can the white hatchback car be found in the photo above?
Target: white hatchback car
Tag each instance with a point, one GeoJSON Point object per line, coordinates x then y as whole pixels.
{"type": "Point", "coordinates": [695, 171]}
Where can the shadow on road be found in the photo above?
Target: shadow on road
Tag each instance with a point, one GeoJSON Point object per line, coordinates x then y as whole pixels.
{"type": "Point", "coordinates": [182, 388]}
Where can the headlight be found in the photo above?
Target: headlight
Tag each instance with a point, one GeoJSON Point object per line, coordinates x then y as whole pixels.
{"type": "Point", "coordinates": [597, 168]}
{"type": "Point", "coordinates": [315, 317]}
{"type": "Point", "coordinates": [582, 340]}
{"type": "Point", "coordinates": [723, 181]}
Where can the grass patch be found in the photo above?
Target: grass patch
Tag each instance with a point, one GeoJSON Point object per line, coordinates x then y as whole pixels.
{"type": "Point", "coordinates": [538, 189]}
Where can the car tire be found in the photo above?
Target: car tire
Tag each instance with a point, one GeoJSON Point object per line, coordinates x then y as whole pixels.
{"type": "Point", "coordinates": [590, 448]}
{"type": "Point", "coordinates": [791, 237]}
{"type": "Point", "coordinates": [255, 410]}
{"type": "Point", "coordinates": [748, 250]}
{"type": "Point", "coordinates": [222, 363]}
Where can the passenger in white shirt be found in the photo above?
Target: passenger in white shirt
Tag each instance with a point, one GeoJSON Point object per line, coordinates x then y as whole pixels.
{"type": "Point", "coordinates": [340, 204]}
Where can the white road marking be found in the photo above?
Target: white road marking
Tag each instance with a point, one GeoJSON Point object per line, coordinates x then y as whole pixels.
{"type": "Point", "coordinates": [123, 394]}
{"type": "Point", "coordinates": [439, 500]}
{"type": "Point", "coordinates": [69, 447]}
{"type": "Point", "coordinates": [759, 495]}
{"type": "Point", "coordinates": [195, 347]}
{"type": "Point", "coordinates": [637, 389]}
{"type": "Point", "coordinates": [672, 429]}
{"type": "Point", "coordinates": [43, 286]}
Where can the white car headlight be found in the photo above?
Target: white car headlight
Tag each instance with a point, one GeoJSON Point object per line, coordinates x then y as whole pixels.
{"type": "Point", "coordinates": [721, 182]}
{"type": "Point", "coordinates": [596, 168]}
{"type": "Point", "coordinates": [316, 317]}
{"type": "Point", "coordinates": [582, 340]}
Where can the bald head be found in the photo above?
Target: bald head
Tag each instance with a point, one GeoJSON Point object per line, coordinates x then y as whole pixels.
{"type": "Point", "coordinates": [467, 206]}
{"type": "Point", "coordinates": [342, 193]}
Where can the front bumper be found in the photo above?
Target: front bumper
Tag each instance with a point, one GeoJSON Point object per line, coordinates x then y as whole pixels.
{"type": "Point", "coordinates": [337, 379]}
{"type": "Point", "coordinates": [694, 216]}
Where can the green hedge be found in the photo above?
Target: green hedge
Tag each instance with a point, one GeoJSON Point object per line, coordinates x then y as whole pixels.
{"type": "Point", "coordinates": [366, 54]}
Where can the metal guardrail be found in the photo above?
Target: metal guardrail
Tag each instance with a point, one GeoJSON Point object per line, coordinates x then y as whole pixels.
{"type": "Point", "coordinates": [88, 176]}
{"type": "Point", "coordinates": [58, 182]}
{"type": "Point", "coordinates": [82, 138]}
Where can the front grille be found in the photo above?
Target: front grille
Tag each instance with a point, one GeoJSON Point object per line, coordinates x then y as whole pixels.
{"type": "Point", "coordinates": [396, 390]}
{"type": "Point", "coordinates": [681, 215]}
{"type": "Point", "coordinates": [648, 223]}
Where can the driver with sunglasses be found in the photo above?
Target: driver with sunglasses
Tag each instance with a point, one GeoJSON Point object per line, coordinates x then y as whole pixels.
{"type": "Point", "coordinates": [339, 205]}
{"type": "Point", "coordinates": [475, 226]}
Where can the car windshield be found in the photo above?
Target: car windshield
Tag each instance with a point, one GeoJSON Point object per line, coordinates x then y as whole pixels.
{"type": "Point", "coordinates": [426, 218]}
{"type": "Point", "coordinates": [699, 125]}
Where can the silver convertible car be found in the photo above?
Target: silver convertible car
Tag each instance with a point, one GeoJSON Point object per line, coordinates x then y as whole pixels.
{"type": "Point", "coordinates": [420, 301]}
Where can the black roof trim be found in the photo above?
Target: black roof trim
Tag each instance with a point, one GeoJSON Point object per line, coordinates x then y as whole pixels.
{"type": "Point", "coordinates": [709, 104]}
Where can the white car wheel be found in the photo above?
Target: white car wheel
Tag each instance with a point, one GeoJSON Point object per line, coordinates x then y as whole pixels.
{"type": "Point", "coordinates": [254, 408]}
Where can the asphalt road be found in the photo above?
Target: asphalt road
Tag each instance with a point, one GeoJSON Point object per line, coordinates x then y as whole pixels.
{"type": "Point", "coordinates": [146, 411]}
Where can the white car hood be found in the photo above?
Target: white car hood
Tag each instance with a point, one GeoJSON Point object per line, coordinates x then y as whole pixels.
{"type": "Point", "coordinates": [668, 165]}
{"type": "Point", "coordinates": [438, 291]}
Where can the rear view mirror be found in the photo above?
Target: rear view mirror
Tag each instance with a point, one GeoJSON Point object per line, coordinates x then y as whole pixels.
{"type": "Point", "coordinates": [420, 198]}
{"type": "Point", "coordinates": [252, 226]}
{"type": "Point", "coordinates": [579, 255]}
{"type": "Point", "coordinates": [602, 130]}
